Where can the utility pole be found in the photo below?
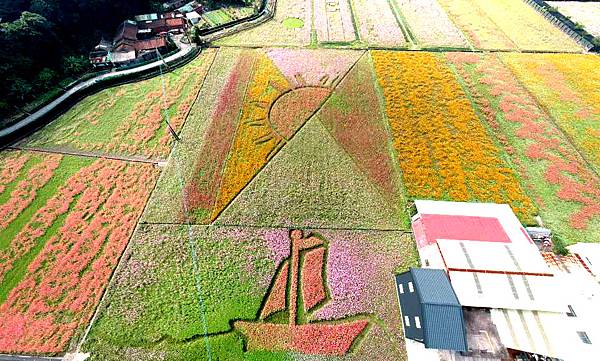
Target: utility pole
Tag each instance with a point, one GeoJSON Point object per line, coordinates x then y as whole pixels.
{"type": "Point", "coordinates": [164, 90]}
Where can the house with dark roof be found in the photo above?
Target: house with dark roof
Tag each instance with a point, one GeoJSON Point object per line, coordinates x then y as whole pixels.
{"type": "Point", "coordinates": [431, 313]}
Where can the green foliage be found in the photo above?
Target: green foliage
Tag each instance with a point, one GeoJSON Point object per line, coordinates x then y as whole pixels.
{"type": "Point", "coordinates": [74, 64]}
{"type": "Point", "coordinates": [52, 36]}
{"type": "Point", "coordinates": [559, 245]}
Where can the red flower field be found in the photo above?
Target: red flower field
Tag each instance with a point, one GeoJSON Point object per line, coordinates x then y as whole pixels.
{"type": "Point", "coordinates": [100, 204]}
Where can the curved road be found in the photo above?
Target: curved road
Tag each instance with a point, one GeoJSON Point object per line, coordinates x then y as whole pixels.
{"type": "Point", "coordinates": [185, 49]}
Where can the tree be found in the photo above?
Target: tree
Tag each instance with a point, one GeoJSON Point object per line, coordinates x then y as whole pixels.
{"type": "Point", "coordinates": [20, 89]}
{"type": "Point", "coordinates": [74, 65]}
{"type": "Point", "coordinates": [45, 79]}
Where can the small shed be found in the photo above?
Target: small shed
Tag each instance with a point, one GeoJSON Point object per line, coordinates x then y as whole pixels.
{"type": "Point", "coordinates": [431, 313]}
{"type": "Point", "coordinates": [193, 17]}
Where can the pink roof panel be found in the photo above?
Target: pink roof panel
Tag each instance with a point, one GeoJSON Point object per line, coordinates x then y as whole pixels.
{"type": "Point", "coordinates": [431, 227]}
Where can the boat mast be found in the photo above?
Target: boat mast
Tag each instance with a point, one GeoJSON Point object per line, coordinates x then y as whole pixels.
{"type": "Point", "coordinates": [295, 236]}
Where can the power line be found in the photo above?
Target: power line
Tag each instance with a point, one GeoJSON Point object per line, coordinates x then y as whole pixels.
{"type": "Point", "coordinates": [190, 231]}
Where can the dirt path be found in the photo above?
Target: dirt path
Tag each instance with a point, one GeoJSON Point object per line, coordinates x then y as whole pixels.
{"type": "Point", "coordinates": [132, 158]}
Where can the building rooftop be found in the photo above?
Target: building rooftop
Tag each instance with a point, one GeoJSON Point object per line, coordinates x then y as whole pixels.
{"type": "Point", "coordinates": [442, 320]}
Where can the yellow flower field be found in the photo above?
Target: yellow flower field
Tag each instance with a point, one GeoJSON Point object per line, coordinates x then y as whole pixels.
{"type": "Point", "coordinates": [255, 141]}
{"type": "Point", "coordinates": [476, 25]}
{"type": "Point", "coordinates": [568, 87]}
{"type": "Point", "coordinates": [443, 150]}
{"type": "Point", "coordinates": [507, 24]}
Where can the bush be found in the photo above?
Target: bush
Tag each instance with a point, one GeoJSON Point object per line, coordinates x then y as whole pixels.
{"type": "Point", "coordinates": [559, 246]}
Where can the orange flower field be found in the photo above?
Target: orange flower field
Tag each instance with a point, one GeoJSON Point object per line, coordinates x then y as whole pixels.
{"type": "Point", "coordinates": [442, 148]}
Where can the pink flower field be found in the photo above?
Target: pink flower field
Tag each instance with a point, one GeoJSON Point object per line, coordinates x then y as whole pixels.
{"type": "Point", "coordinates": [98, 207]}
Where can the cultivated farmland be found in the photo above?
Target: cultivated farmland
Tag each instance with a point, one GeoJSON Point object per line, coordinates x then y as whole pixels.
{"type": "Point", "coordinates": [272, 229]}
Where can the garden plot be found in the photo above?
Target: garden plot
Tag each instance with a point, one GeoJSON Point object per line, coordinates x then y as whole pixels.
{"type": "Point", "coordinates": [525, 26]}
{"type": "Point", "coordinates": [65, 223]}
{"type": "Point", "coordinates": [343, 286]}
{"type": "Point", "coordinates": [443, 149]}
{"type": "Point", "coordinates": [333, 21]}
{"type": "Point", "coordinates": [566, 190]}
{"type": "Point", "coordinates": [477, 25]}
{"type": "Point", "coordinates": [290, 26]}
{"type": "Point", "coordinates": [127, 120]}
{"type": "Point", "coordinates": [568, 87]}
{"type": "Point", "coordinates": [584, 13]}
{"type": "Point", "coordinates": [429, 24]}
{"type": "Point", "coordinates": [265, 97]}
{"type": "Point", "coordinates": [377, 23]}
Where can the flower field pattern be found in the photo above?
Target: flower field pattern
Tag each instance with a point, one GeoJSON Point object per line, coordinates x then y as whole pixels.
{"type": "Point", "coordinates": [153, 312]}
{"type": "Point", "coordinates": [429, 23]}
{"type": "Point", "coordinates": [443, 149]}
{"type": "Point", "coordinates": [273, 226]}
{"type": "Point", "coordinates": [566, 190]}
{"type": "Point", "coordinates": [129, 119]}
{"type": "Point", "coordinates": [354, 117]}
{"type": "Point", "coordinates": [97, 208]}
{"type": "Point", "coordinates": [377, 24]}
{"type": "Point", "coordinates": [568, 87]}
{"type": "Point", "coordinates": [266, 97]}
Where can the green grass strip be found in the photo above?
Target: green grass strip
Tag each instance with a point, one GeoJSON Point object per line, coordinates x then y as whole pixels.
{"type": "Point", "coordinates": [68, 167]}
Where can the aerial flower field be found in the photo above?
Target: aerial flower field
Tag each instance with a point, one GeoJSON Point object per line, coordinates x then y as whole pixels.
{"type": "Point", "coordinates": [334, 21]}
{"type": "Point", "coordinates": [429, 23]}
{"type": "Point", "coordinates": [507, 24]}
{"type": "Point", "coordinates": [265, 98]}
{"type": "Point", "coordinates": [152, 308]}
{"type": "Point", "coordinates": [279, 31]}
{"type": "Point", "coordinates": [60, 248]}
{"type": "Point", "coordinates": [443, 149]}
{"type": "Point", "coordinates": [568, 88]}
{"type": "Point", "coordinates": [273, 228]}
{"type": "Point", "coordinates": [566, 190]}
{"type": "Point", "coordinates": [377, 24]}
{"type": "Point", "coordinates": [127, 120]}
{"type": "Point", "coordinates": [477, 25]}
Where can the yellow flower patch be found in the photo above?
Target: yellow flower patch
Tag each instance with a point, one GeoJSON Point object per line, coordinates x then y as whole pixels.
{"type": "Point", "coordinates": [255, 140]}
{"type": "Point", "coordinates": [443, 150]}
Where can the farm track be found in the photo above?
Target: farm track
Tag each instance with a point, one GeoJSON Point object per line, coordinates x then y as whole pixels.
{"type": "Point", "coordinates": [137, 159]}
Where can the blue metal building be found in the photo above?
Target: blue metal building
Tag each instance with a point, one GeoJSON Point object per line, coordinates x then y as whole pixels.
{"type": "Point", "coordinates": [431, 313]}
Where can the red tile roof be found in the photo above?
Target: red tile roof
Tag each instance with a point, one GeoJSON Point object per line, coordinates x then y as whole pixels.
{"type": "Point", "coordinates": [150, 44]}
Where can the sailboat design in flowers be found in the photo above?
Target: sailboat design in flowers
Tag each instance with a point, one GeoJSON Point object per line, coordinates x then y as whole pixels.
{"type": "Point", "coordinates": [322, 338]}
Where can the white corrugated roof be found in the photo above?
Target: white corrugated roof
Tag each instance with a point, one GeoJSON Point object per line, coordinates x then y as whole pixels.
{"type": "Point", "coordinates": [491, 290]}
{"type": "Point", "coordinates": [508, 257]}
{"type": "Point", "coordinates": [502, 212]}
{"type": "Point", "coordinates": [546, 333]}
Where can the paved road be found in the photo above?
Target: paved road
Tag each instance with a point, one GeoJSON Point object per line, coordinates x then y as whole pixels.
{"type": "Point", "coordinates": [27, 358]}
{"type": "Point", "coordinates": [184, 50]}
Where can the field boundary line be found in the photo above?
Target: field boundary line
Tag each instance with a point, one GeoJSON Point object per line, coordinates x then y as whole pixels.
{"type": "Point", "coordinates": [187, 115]}
{"type": "Point", "coordinates": [133, 159]}
{"type": "Point", "coordinates": [403, 24]}
{"type": "Point", "coordinates": [389, 132]}
{"type": "Point", "coordinates": [280, 226]}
